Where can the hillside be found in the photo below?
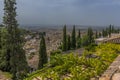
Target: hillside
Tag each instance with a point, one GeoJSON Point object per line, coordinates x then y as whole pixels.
{"type": "Point", "coordinates": [90, 65]}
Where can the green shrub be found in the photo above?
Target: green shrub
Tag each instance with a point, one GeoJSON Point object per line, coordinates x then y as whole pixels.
{"type": "Point", "coordinates": [73, 67]}
{"type": "Point", "coordinates": [56, 52]}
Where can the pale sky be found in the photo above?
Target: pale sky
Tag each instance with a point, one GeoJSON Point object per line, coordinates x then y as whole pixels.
{"type": "Point", "coordinates": [59, 12]}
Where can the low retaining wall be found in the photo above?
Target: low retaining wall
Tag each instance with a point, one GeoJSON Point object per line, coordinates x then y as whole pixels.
{"type": "Point", "coordinates": [112, 73]}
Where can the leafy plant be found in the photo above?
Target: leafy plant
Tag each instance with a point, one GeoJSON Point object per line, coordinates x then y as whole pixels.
{"type": "Point", "coordinates": [74, 67]}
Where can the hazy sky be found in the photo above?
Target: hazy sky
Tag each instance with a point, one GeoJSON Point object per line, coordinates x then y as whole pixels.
{"type": "Point", "coordinates": [81, 12]}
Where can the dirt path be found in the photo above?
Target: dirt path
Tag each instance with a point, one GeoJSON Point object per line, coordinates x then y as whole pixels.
{"type": "Point", "coordinates": [2, 76]}
{"type": "Point", "coordinates": [77, 51]}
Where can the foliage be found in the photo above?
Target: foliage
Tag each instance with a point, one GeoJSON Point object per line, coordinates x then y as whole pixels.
{"type": "Point", "coordinates": [73, 67]}
{"type": "Point", "coordinates": [3, 58]}
{"type": "Point", "coordinates": [42, 53]}
{"type": "Point", "coordinates": [15, 55]}
{"type": "Point", "coordinates": [109, 30]}
{"type": "Point", "coordinates": [84, 41]}
{"type": "Point", "coordinates": [64, 45]}
{"type": "Point", "coordinates": [88, 39]}
{"type": "Point", "coordinates": [91, 47]}
{"type": "Point", "coordinates": [41, 34]}
{"type": "Point", "coordinates": [68, 43]}
{"type": "Point", "coordinates": [100, 35]}
{"type": "Point", "coordinates": [90, 35]}
{"type": "Point", "coordinates": [79, 39]}
{"type": "Point", "coordinates": [55, 52]}
{"type": "Point", "coordinates": [79, 34]}
{"type": "Point", "coordinates": [78, 42]}
{"type": "Point", "coordinates": [96, 34]}
{"type": "Point", "coordinates": [73, 40]}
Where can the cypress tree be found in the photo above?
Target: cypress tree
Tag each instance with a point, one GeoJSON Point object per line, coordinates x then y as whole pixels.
{"type": "Point", "coordinates": [90, 36]}
{"type": "Point", "coordinates": [64, 46]}
{"type": "Point", "coordinates": [103, 33]}
{"type": "Point", "coordinates": [96, 34]}
{"type": "Point", "coordinates": [113, 29]}
{"type": "Point", "coordinates": [78, 42]}
{"type": "Point", "coordinates": [68, 43]}
{"type": "Point", "coordinates": [73, 45]}
{"type": "Point", "coordinates": [84, 41]}
{"type": "Point", "coordinates": [79, 39]}
{"type": "Point", "coordinates": [15, 53]}
{"type": "Point", "coordinates": [107, 32]}
{"type": "Point", "coordinates": [79, 34]}
{"type": "Point", "coordinates": [110, 30]}
{"type": "Point", "coordinates": [100, 34]}
{"type": "Point", "coordinates": [4, 59]}
{"type": "Point", "coordinates": [42, 53]}
{"type": "Point", "coordinates": [1, 55]}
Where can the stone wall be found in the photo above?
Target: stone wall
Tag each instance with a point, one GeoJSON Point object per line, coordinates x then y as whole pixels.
{"type": "Point", "coordinates": [113, 72]}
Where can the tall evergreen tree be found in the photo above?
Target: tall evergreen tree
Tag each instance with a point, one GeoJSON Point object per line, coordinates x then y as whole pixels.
{"type": "Point", "coordinates": [68, 43]}
{"type": "Point", "coordinates": [42, 53]}
{"type": "Point", "coordinates": [79, 34]}
{"type": "Point", "coordinates": [1, 54]}
{"type": "Point", "coordinates": [100, 34]}
{"type": "Point", "coordinates": [79, 42]}
{"type": "Point", "coordinates": [90, 36]}
{"type": "Point", "coordinates": [16, 54]}
{"type": "Point", "coordinates": [64, 46]}
{"type": "Point", "coordinates": [79, 39]}
{"type": "Point", "coordinates": [107, 32]}
{"type": "Point", "coordinates": [73, 42]}
{"type": "Point", "coordinates": [4, 59]}
{"type": "Point", "coordinates": [113, 29]}
{"type": "Point", "coordinates": [84, 41]}
{"type": "Point", "coordinates": [96, 34]}
{"type": "Point", "coordinates": [103, 33]}
{"type": "Point", "coordinates": [110, 30]}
